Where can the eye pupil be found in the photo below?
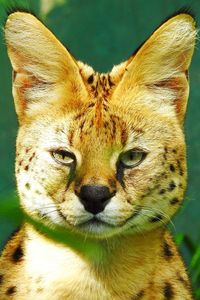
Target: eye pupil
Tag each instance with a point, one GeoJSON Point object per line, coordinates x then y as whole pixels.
{"type": "Point", "coordinates": [132, 155]}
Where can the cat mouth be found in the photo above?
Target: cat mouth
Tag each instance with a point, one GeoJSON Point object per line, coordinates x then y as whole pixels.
{"type": "Point", "coordinates": [99, 227]}
{"type": "Point", "coordinates": [95, 222]}
{"type": "Point", "coordinates": [95, 226]}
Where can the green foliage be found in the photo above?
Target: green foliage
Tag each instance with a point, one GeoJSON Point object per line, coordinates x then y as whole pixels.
{"type": "Point", "coordinates": [194, 268]}
{"type": "Point", "coordinates": [183, 240]}
{"type": "Point", "coordinates": [90, 249]}
{"type": "Point", "coordinates": [187, 245]}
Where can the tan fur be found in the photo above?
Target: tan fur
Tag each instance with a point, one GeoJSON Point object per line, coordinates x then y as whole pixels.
{"type": "Point", "coordinates": [64, 104]}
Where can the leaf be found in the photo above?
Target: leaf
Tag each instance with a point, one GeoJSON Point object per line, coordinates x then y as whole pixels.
{"type": "Point", "coordinates": [179, 238]}
{"type": "Point", "coordinates": [92, 249]}
{"type": "Point", "coordinates": [195, 262]}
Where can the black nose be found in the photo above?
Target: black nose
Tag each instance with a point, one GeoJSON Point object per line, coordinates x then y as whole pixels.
{"type": "Point", "coordinates": [95, 197]}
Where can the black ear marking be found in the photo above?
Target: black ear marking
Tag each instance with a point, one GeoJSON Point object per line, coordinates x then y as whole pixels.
{"type": "Point", "coordinates": [183, 10]}
{"type": "Point", "coordinates": [19, 8]}
{"type": "Point", "coordinates": [12, 8]}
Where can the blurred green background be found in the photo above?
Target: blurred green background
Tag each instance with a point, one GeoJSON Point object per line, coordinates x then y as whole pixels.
{"type": "Point", "coordinates": [103, 33]}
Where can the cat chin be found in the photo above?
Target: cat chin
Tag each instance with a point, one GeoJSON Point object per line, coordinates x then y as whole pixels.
{"type": "Point", "coordinates": [96, 229]}
{"type": "Point", "coordinates": [102, 230]}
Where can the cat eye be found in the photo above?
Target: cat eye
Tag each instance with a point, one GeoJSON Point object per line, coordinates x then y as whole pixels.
{"type": "Point", "coordinates": [132, 158]}
{"type": "Point", "coordinates": [63, 157]}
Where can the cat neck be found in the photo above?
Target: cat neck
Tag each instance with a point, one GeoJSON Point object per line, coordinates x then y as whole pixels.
{"type": "Point", "coordinates": [102, 253]}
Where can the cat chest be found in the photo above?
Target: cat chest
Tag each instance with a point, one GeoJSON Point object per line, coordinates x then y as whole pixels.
{"type": "Point", "coordinates": [60, 273]}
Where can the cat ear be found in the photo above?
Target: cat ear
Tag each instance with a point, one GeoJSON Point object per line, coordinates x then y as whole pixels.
{"type": "Point", "coordinates": [160, 67]}
{"type": "Point", "coordinates": [44, 70]}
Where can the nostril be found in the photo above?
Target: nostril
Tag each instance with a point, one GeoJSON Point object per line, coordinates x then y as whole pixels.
{"type": "Point", "coordinates": [95, 192]}
{"type": "Point", "coordinates": [113, 193]}
{"type": "Point", "coordinates": [95, 197]}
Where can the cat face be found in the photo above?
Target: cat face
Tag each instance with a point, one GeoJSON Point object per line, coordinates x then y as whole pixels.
{"type": "Point", "coordinates": [139, 160]}
{"type": "Point", "coordinates": [101, 154]}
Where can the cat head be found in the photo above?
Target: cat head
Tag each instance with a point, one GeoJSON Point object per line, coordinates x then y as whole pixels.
{"type": "Point", "coordinates": [101, 154]}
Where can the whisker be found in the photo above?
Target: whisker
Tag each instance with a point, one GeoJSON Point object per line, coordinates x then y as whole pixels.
{"type": "Point", "coordinates": [152, 210]}
{"type": "Point", "coordinates": [47, 213]}
{"type": "Point", "coordinates": [84, 214]}
{"type": "Point", "coordinates": [157, 211]}
{"type": "Point", "coordinates": [139, 229]}
{"type": "Point", "coordinates": [149, 215]}
{"type": "Point", "coordinates": [166, 216]}
{"type": "Point", "coordinates": [49, 206]}
{"type": "Point", "coordinates": [85, 237]}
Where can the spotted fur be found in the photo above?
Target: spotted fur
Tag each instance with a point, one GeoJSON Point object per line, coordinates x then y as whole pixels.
{"type": "Point", "coordinates": [65, 104]}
